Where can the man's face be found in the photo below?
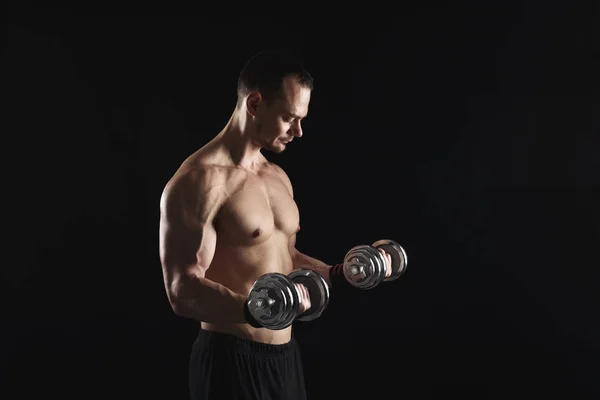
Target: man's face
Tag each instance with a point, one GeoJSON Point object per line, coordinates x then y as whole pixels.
{"type": "Point", "coordinates": [280, 122]}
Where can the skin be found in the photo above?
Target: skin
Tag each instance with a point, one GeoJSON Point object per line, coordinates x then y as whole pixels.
{"type": "Point", "coordinates": [228, 216]}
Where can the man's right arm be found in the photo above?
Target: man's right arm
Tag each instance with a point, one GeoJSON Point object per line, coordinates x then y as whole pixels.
{"type": "Point", "coordinates": [187, 246]}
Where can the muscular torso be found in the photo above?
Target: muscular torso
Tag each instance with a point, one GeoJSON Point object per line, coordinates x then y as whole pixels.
{"type": "Point", "coordinates": [254, 223]}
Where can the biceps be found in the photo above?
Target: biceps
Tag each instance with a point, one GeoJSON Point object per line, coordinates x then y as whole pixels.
{"type": "Point", "coordinates": [187, 250]}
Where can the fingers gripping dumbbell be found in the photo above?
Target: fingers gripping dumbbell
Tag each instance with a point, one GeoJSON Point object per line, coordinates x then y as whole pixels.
{"type": "Point", "coordinates": [274, 300]}
{"type": "Point", "coordinates": [364, 266]}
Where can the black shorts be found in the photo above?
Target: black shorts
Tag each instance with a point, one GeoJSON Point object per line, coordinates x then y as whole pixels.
{"type": "Point", "coordinates": [224, 367]}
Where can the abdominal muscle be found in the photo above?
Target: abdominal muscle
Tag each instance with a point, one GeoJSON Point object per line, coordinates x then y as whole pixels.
{"type": "Point", "coordinates": [238, 266]}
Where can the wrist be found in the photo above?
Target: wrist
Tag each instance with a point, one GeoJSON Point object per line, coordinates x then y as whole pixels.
{"type": "Point", "coordinates": [337, 277]}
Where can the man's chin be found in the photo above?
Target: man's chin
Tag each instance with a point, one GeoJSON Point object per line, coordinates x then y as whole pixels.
{"type": "Point", "coordinates": [276, 148]}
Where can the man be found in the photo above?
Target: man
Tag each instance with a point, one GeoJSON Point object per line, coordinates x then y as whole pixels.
{"type": "Point", "coordinates": [228, 216]}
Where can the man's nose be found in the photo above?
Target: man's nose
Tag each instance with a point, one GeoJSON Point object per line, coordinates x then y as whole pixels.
{"type": "Point", "coordinates": [297, 129]}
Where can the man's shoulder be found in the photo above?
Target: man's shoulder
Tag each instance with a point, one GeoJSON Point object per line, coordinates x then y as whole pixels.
{"type": "Point", "coordinates": [278, 170]}
{"type": "Point", "coordinates": [194, 188]}
{"type": "Point", "coordinates": [197, 176]}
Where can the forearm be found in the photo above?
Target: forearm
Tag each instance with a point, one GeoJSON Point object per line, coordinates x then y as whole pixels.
{"type": "Point", "coordinates": [207, 301]}
{"type": "Point", "coordinates": [333, 274]}
{"type": "Point", "coordinates": [302, 261]}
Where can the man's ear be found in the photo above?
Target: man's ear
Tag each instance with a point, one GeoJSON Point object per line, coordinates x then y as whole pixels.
{"type": "Point", "coordinates": [253, 101]}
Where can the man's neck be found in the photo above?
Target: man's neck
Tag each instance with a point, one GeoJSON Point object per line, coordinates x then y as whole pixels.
{"type": "Point", "coordinates": [236, 138]}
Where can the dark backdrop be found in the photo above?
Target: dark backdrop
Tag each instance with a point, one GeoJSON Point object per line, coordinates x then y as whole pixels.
{"type": "Point", "coordinates": [468, 134]}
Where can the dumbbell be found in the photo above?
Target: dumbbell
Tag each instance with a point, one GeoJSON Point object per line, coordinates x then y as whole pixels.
{"type": "Point", "coordinates": [274, 302]}
{"type": "Point", "coordinates": [364, 266]}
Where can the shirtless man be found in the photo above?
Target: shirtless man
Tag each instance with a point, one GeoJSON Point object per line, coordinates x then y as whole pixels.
{"type": "Point", "coordinates": [228, 216]}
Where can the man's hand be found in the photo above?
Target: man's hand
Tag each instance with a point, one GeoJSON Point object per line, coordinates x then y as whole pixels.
{"type": "Point", "coordinates": [388, 263]}
{"type": "Point", "coordinates": [304, 297]}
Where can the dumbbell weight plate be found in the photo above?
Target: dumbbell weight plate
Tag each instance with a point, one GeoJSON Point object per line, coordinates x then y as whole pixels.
{"type": "Point", "coordinates": [379, 265]}
{"type": "Point", "coordinates": [317, 289]}
{"type": "Point", "coordinates": [378, 262]}
{"type": "Point", "coordinates": [273, 301]}
{"type": "Point", "coordinates": [363, 257]}
{"type": "Point", "coordinates": [357, 267]}
{"type": "Point", "coordinates": [399, 258]}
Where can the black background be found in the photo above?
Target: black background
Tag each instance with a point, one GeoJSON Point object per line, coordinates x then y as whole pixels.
{"type": "Point", "coordinates": [468, 134]}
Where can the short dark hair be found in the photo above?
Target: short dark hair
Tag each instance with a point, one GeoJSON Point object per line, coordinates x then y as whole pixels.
{"type": "Point", "coordinates": [265, 71]}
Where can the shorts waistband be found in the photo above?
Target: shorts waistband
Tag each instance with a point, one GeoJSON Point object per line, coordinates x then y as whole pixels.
{"type": "Point", "coordinates": [246, 345]}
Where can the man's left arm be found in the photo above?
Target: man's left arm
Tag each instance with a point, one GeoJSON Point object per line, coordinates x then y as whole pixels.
{"type": "Point", "coordinates": [302, 261]}
{"type": "Point", "coordinates": [328, 272]}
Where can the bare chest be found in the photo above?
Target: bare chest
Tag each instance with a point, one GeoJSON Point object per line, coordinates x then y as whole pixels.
{"type": "Point", "coordinates": [256, 210]}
